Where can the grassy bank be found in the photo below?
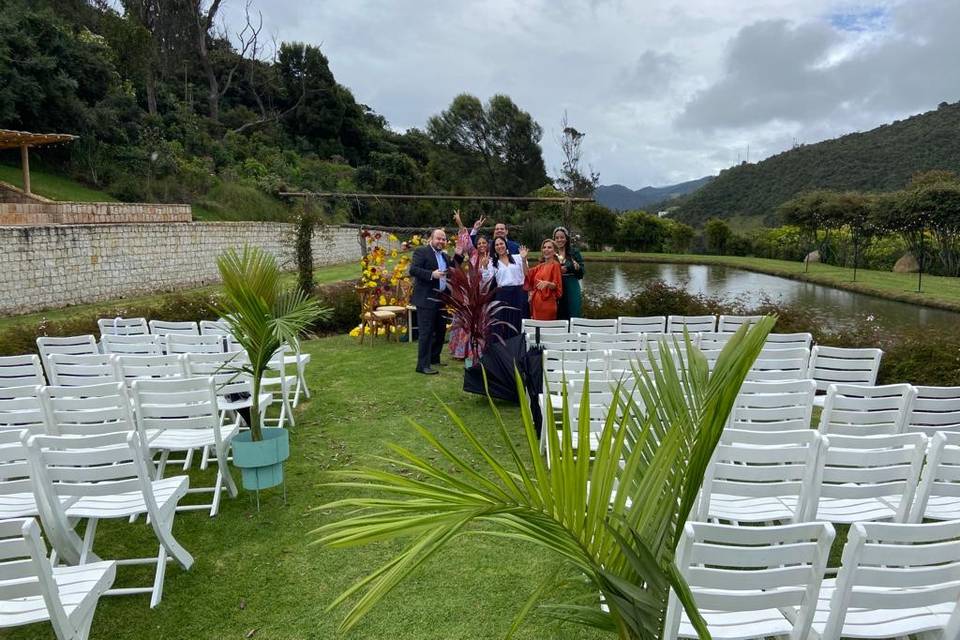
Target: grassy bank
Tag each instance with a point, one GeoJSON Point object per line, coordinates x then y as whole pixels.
{"type": "Point", "coordinates": [256, 576]}
{"type": "Point", "coordinates": [323, 275]}
{"type": "Point", "coordinates": [53, 186]}
{"type": "Point", "coordinates": [938, 291]}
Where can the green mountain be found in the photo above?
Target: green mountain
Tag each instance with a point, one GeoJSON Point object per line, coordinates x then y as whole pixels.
{"type": "Point", "coordinates": [882, 159]}
{"type": "Point", "coordinates": [621, 198]}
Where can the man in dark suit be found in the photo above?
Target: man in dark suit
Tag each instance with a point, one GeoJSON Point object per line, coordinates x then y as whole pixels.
{"type": "Point", "coordinates": [428, 267]}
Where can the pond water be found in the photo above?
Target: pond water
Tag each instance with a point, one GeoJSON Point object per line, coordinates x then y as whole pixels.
{"type": "Point", "coordinates": [835, 307]}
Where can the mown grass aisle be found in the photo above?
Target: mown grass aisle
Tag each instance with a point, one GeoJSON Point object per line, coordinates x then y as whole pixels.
{"type": "Point", "coordinates": [255, 575]}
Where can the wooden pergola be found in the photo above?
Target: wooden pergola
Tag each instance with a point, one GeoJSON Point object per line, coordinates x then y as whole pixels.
{"type": "Point", "coordinates": [10, 139]}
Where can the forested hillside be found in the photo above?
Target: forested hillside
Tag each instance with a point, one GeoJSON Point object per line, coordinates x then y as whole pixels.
{"type": "Point", "coordinates": [883, 159]}
{"type": "Point", "coordinates": [169, 109]}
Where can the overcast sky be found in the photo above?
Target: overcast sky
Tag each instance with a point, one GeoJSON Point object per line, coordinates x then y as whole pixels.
{"type": "Point", "coordinates": [665, 91]}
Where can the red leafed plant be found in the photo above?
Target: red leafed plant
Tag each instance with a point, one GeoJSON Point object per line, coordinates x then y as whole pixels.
{"type": "Point", "coordinates": [473, 307]}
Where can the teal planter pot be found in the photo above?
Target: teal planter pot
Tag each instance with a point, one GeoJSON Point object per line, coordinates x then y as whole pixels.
{"type": "Point", "coordinates": [261, 463]}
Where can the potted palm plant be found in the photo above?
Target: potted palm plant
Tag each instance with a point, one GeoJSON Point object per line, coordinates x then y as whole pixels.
{"type": "Point", "coordinates": [263, 317]}
{"type": "Point", "coordinates": [614, 514]}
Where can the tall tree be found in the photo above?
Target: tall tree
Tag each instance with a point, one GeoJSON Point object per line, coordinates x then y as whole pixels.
{"type": "Point", "coordinates": [572, 180]}
{"type": "Point", "coordinates": [502, 140]}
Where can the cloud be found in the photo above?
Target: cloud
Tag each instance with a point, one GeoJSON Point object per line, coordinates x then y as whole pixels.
{"type": "Point", "coordinates": [665, 91]}
{"type": "Point", "coordinates": [651, 75]}
{"type": "Point", "coordinates": [849, 69]}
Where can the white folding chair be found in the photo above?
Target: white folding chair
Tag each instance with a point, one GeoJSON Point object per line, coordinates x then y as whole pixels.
{"type": "Point", "coordinates": [788, 341]}
{"type": "Point", "coordinates": [534, 330]}
{"type": "Point", "coordinates": [178, 343]}
{"type": "Point", "coordinates": [710, 340]}
{"type": "Point", "coordinates": [773, 406]}
{"type": "Point", "coordinates": [617, 341]}
{"type": "Point", "coordinates": [934, 409]}
{"type": "Point", "coordinates": [751, 582]}
{"type": "Point", "coordinates": [104, 477]}
{"type": "Point", "coordinates": [20, 408]}
{"type": "Point", "coordinates": [780, 364]}
{"type": "Point", "coordinates": [693, 324]}
{"type": "Point", "coordinates": [233, 386]}
{"type": "Point", "coordinates": [152, 367]}
{"type": "Point", "coordinates": [89, 410]}
{"type": "Point", "coordinates": [642, 324]}
{"type": "Point", "coordinates": [839, 365]}
{"type": "Point", "coordinates": [17, 498]}
{"type": "Point", "coordinates": [123, 327]}
{"type": "Point", "coordinates": [70, 345]}
{"type": "Point", "coordinates": [762, 477]}
{"type": "Point", "coordinates": [80, 370]}
{"type": "Point", "coordinates": [33, 591]}
{"type": "Point", "coordinates": [593, 325]}
{"type": "Point", "coordinates": [164, 329]}
{"type": "Point", "coordinates": [938, 495]}
{"type": "Point", "coordinates": [184, 414]}
{"type": "Point", "coordinates": [21, 371]}
{"type": "Point", "coordinates": [730, 324]}
{"type": "Point", "coordinates": [895, 581]}
{"type": "Point", "coordinates": [281, 385]}
{"type": "Point", "coordinates": [529, 325]}
{"type": "Point", "coordinates": [214, 328]}
{"type": "Point", "coordinates": [855, 410]}
{"type": "Point", "coordinates": [132, 345]}
{"type": "Point", "coordinates": [561, 341]}
{"type": "Point", "coordinates": [292, 355]}
{"type": "Point", "coordinates": [559, 365]}
{"type": "Point", "coordinates": [868, 478]}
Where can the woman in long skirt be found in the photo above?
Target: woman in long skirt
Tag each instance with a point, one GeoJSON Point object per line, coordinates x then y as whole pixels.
{"type": "Point", "coordinates": [571, 266]}
{"type": "Point", "coordinates": [509, 271]}
{"type": "Point", "coordinates": [545, 283]}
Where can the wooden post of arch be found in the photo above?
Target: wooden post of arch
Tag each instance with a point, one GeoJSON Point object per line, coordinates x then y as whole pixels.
{"type": "Point", "coordinates": [25, 167]}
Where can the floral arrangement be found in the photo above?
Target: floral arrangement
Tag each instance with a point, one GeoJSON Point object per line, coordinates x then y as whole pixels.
{"type": "Point", "coordinates": [384, 279]}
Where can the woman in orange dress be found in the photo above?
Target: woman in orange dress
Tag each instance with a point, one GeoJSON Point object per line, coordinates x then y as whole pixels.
{"type": "Point", "coordinates": [545, 283]}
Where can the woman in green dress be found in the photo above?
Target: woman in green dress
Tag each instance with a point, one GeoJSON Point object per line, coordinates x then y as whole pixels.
{"type": "Point", "coordinates": [571, 266]}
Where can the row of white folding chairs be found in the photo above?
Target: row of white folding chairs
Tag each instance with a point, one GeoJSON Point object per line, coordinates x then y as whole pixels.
{"type": "Point", "coordinates": [848, 409]}
{"type": "Point", "coordinates": [798, 476]}
{"type": "Point", "coordinates": [76, 375]}
{"type": "Point", "coordinates": [753, 583]}
{"type": "Point", "coordinates": [172, 343]}
{"type": "Point", "coordinates": [141, 327]}
{"type": "Point", "coordinates": [68, 371]}
{"type": "Point", "coordinates": [233, 387]}
{"type": "Point", "coordinates": [173, 415]}
{"type": "Point", "coordinates": [640, 324]}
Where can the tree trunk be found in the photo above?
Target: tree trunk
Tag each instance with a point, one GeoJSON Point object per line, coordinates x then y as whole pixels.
{"type": "Point", "coordinates": [151, 83]}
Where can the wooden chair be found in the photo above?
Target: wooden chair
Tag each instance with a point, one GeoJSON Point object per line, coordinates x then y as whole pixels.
{"type": "Point", "coordinates": [371, 316]}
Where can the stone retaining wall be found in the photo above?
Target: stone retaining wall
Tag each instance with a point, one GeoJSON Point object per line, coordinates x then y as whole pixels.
{"type": "Point", "coordinates": [55, 266]}
{"type": "Point", "coordinates": [44, 213]}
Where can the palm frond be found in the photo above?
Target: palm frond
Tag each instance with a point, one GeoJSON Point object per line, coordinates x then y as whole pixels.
{"type": "Point", "coordinates": [613, 512]}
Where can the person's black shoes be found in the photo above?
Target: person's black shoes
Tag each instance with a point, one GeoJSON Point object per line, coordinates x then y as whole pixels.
{"type": "Point", "coordinates": [428, 371]}
{"type": "Point", "coordinates": [438, 364]}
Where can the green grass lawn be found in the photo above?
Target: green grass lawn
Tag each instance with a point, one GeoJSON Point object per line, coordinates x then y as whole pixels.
{"type": "Point", "coordinates": [257, 576]}
{"type": "Point", "coordinates": [938, 291]}
{"type": "Point", "coordinates": [53, 186]}
{"type": "Point", "coordinates": [323, 275]}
